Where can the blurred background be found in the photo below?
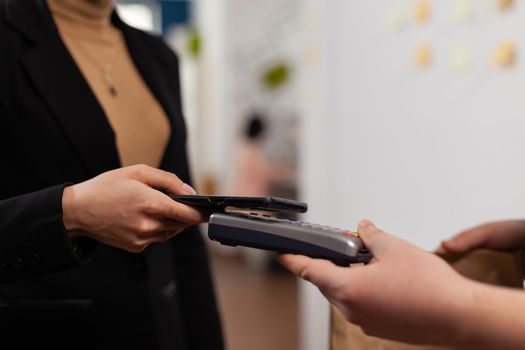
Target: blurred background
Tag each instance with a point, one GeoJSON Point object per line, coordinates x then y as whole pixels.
{"type": "Point", "coordinates": [409, 112]}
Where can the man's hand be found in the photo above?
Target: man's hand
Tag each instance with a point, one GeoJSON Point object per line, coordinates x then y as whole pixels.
{"type": "Point", "coordinates": [125, 208]}
{"type": "Point", "coordinates": [502, 235]}
{"type": "Point", "coordinates": [404, 294]}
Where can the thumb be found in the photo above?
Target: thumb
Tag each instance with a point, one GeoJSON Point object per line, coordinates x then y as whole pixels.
{"type": "Point", "coordinates": [376, 240]}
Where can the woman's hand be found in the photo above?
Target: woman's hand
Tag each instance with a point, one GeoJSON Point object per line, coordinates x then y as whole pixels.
{"type": "Point", "coordinates": [503, 235]}
{"type": "Point", "coordinates": [125, 208]}
{"type": "Point", "coordinates": [404, 294]}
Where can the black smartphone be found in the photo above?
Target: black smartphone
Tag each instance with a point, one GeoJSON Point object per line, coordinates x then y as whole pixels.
{"type": "Point", "coordinates": [221, 203]}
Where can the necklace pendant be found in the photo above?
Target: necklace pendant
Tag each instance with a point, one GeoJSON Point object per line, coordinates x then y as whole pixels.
{"type": "Point", "coordinates": [109, 83]}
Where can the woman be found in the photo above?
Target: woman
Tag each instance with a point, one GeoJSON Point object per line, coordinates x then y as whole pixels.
{"type": "Point", "coordinates": [84, 99]}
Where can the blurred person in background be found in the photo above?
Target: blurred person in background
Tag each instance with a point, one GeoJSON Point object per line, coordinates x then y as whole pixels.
{"type": "Point", "coordinates": [254, 173]}
{"type": "Point", "coordinates": [89, 109]}
{"type": "Point", "coordinates": [413, 296]}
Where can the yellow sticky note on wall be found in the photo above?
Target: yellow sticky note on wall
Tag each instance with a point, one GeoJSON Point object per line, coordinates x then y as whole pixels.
{"type": "Point", "coordinates": [504, 55]}
{"type": "Point", "coordinates": [422, 11]}
{"type": "Point", "coordinates": [423, 56]}
{"type": "Point", "coordinates": [505, 4]}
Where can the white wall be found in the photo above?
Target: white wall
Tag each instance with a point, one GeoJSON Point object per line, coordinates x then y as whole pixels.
{"type": "Point", "coordinates": [214, 107]}
{"type": "Point", "coordinates": [422, 153]}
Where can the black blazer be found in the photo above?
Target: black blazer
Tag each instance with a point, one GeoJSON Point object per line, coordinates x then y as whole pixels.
{"type": "Point", "coordinates": [53, 132]}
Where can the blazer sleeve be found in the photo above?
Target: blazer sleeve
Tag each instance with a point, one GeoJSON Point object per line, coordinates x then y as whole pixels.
{"type": "Point", "coordinates": [33, 239]}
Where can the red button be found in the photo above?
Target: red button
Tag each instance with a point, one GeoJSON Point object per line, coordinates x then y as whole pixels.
{"type": "Point", "coordinates": [351, 234]}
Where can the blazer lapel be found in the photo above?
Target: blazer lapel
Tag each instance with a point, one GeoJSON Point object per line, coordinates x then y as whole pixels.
{"type": "Point", "coordinates": [58, 80]}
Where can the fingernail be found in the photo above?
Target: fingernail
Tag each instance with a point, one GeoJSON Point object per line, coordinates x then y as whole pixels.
{"type": "Point", "coordinates": [364, 224]}
{"type": "Point", "coordinates": [447, 243]}
{"type": "Point", "coordinates": [189, 189]}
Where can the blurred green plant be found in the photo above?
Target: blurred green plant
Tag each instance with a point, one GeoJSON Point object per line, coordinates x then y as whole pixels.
{"type": "Point", "coordinates": [276, 76]}
{"type": "Point", "coordinates": [194, 43]}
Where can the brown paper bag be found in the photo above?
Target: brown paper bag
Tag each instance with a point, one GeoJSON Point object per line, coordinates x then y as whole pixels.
{"type": "Point", "coordinates": [493, 267]}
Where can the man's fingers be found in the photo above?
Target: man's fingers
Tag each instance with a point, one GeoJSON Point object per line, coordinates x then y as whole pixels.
{"type": "Point", "coordinates": [162, 180]}
{"type": "Point", "coordinates": [379, 243]}
{"type": "Point", "coordinates": [466, 241]}
{"type": "Point", "coordinates": [322, 273]}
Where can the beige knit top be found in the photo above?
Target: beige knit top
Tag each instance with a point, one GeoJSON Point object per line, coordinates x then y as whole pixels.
{"type": "Point", "coordinates": [140, 124]}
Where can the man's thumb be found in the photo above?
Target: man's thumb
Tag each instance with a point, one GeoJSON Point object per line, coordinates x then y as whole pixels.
{"type": "Point", "coordinates": [375, 239]}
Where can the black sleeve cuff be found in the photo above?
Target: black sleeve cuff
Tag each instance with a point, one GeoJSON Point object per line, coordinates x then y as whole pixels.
{"type": "Point", "coordinates": [33, 238]}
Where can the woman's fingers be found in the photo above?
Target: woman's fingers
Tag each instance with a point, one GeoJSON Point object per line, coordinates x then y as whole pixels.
{"type": "Point", "coordinates": [170, 209]}
{"type": "Point", "coordinates": [161, 180]}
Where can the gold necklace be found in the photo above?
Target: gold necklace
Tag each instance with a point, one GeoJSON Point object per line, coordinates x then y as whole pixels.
{"type": "Point", "coordinates": [106, 71]}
